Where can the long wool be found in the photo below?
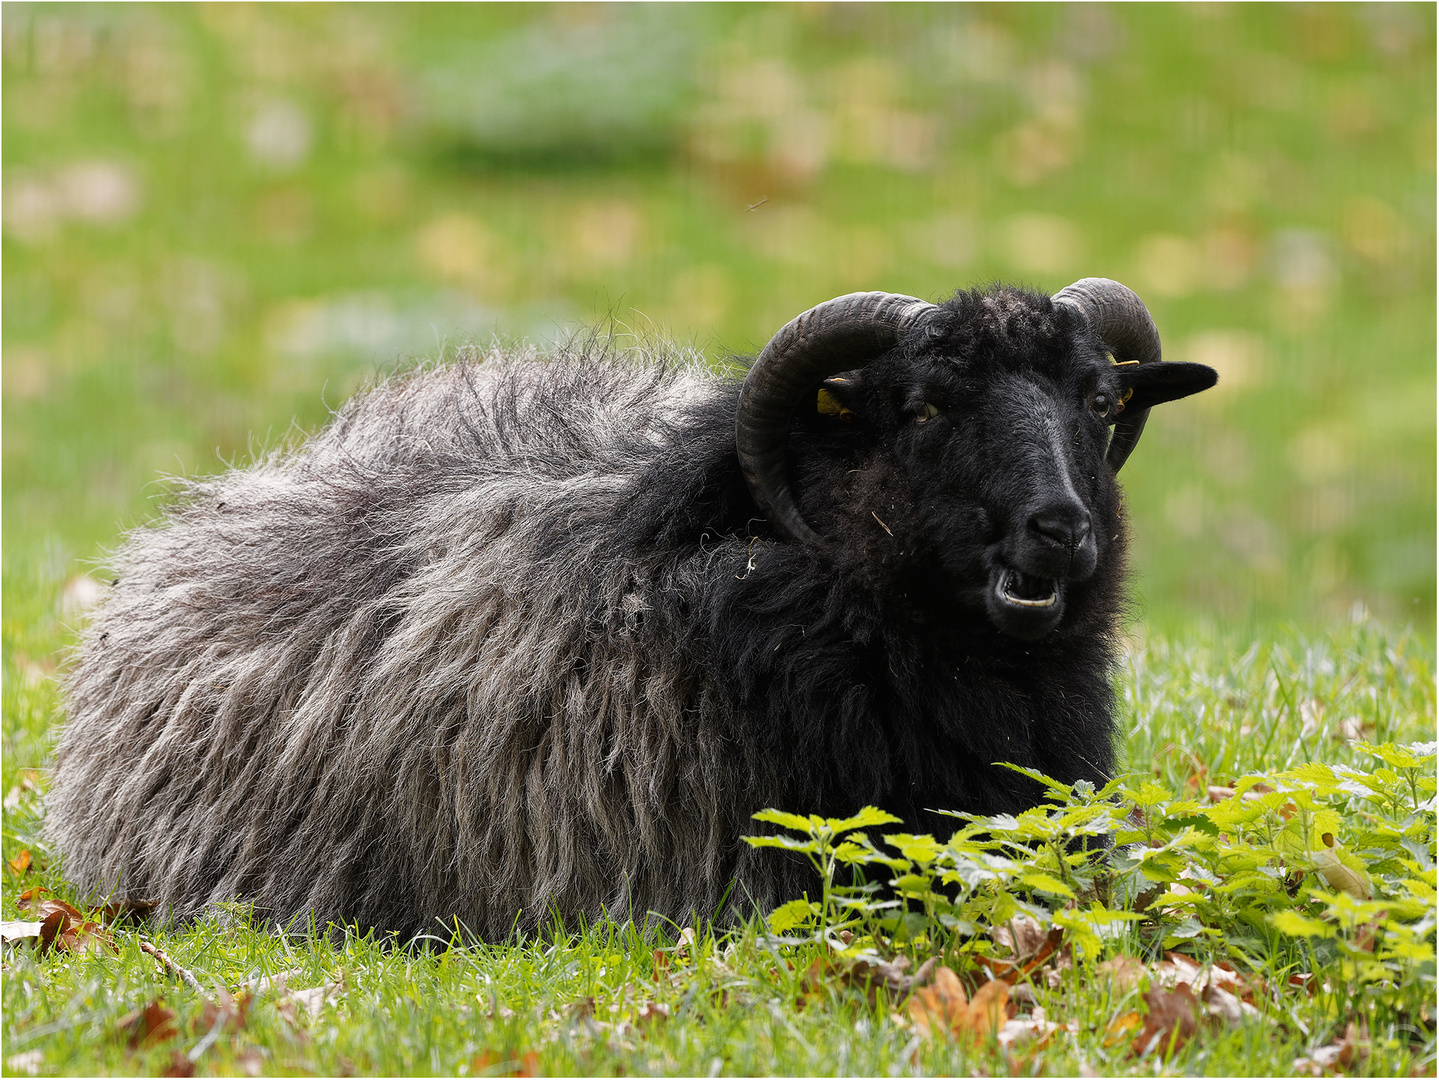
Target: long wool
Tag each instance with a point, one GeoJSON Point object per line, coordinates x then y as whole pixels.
{"type": "Point", "coordinates": [497, 643]}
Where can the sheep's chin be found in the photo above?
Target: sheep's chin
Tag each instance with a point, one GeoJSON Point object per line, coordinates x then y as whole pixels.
{"type": "Point", "coordinates": [1023, 606]}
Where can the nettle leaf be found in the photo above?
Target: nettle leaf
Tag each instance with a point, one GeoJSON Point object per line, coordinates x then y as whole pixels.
{"type": "Point", "coordinates": [1147, 795]}
{"type": "Point", "coordinates": [1057, 790]}
{"type": "Point", "coordinates": [1315, 775]}
{"type": "Point", "coordinates": [922, 850]}
{"type": "Point", "coordinates": [788, 843]}
{"type": "Point", "coordinates": [866, 818]}
{"type": "Point", "coordinates": [1410, 756]}
{"type": "Point", "coordinates": [1296, 925]}
{"type": "Point", "coordinates": [1080, 932]}
{"type": "Point", "coordinates": [866, 854]}
{"type": "Point", "coordinates": [789, 821]}
{"type": "Point", "coordinates": [1180, 823]}
{"type": "Point", "coordinates": [1047, 883]}
{"type": "Point", "coordinates": [1235, 811]}
{"type": "Point", "coordinates": [792, 915]}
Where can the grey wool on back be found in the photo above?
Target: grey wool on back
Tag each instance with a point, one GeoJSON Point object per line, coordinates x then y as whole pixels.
{"type": "Point", "coordinates": [397, 674]}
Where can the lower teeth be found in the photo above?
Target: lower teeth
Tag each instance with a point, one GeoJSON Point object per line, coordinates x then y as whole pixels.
{"type": "Point", "coordinates": [1012, 579]}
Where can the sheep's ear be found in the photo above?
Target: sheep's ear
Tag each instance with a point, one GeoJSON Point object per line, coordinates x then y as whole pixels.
{"type": "Point", "coordinates": [1147, 385]}
{"type": "Point", "coordinates": [834, 399]}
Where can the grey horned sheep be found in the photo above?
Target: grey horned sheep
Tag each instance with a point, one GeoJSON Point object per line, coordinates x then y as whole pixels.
{"type": "Point", "coordinates": [524, 637]}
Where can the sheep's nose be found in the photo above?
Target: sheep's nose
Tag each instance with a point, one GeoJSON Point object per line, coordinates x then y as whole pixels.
{"type": "Point", "coordinates": [1067, 526]}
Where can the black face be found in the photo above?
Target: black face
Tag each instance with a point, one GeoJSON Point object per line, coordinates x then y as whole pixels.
{"type": "Point", "coordinates": [1001, 441]}
{"type": "Point", "coordinates": [1019, 509]}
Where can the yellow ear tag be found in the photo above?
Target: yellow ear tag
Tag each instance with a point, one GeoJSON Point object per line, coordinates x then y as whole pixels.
{"type": "Point", "coordinates": [1122, 363]}
{"type": "Point", "coordinates": [830, 406]}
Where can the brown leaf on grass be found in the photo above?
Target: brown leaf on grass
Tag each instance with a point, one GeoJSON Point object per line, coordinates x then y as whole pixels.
{"type": "Point", "coordinates": [582, 1009]}
{"type": "Point", "coordinates": [316, 997]}
{"type": "Point", "coordinates": [652, 1012]}
{"type": "Point", "coordinates": [1123, 973]}
{"type": "Point", "coordinates": [32, 900]}
{"type": "Point", "coordinates": [127, 911]}
{"type": "Point", "coordinates": [62, 926]}
{"type": "Point", "coordinates": [1351, 728]}
{"type": "Point", "coordinates": [1172, 1020]}
{"type": "Point", "coordinates": [232, 1011]}
{"type": "Point", "coordinates": [1338, 875]}
{"type": "Point", "coordinates": [180, 1065]}
{"type": "Point", "coordinates": [875, 979]}
{"type": "Point", "coordinates": [20, 932]}
{"type": "Point", "coordinates": [943, 1008]}
{"type": "Point", "coordinates": [26, 782]}
{"type": "Point", "coordinates": [1031, 947]}
{"type": "Point", "coordinates": [20, 864]}
{"type": "Point", "coordinates": [1196, 780]}
{"type": "Point", "coordinates": [1351, 1050]}
{"type": "Point", "coordinates": [493, 1063]}
{"type": "Point", "coordinates": [63, 932]}
{"type": "Point", "coordinates": [1023, 936]}
{"type": "Point", "coordinates": [1033, 1031]}
{"type": "Point", "coordinates": [1120, 1027]}
{"type": "Point", "coordinates": [149, 1025]}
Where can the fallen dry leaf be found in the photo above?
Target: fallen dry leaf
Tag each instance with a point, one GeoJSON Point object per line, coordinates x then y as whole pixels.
{"type": "Point", "coordinates": [1120, 1027]}
{"type": "Point", "coordinates": [1037, 1027]}
{"type": "Point", "coordinates": [874, 978]}
{"type": "Point", "coordinates": [127, 911]}
{"type": "Point", "coordinates": [1124, 973]}
{"type": "Point", "coordinates": [1172, 1020]}
{"type": "Point", "coordinates": [1350, 1050]}
{"type": "Point", "coordinates": [64, 930]}
{"type": "Point", "coordinates": [19, 932]}
{"type": "Point", "coordinates": [652, 1012]}
{"type": "Point", "coordinates": [317, 997]}
{"type": "Point", "coordinates": [1023, 936]}
{"type": "Point", "coordinates": [944, 1008]}
{"type": "Point", "coordinates": [232, 1012]}
{"type": "Point", "coordinates": [1223, 1006]}
{"type": "Point", "coordinates": [278, 981]}
{"type": "Point", "coordinates": [62, 926]}
{"type": "Point", "coordinates": [149, 1025]}
{"type": "Point", "coordinates": [180, 1065]}
{"type": "Point", "coordinates": [1338, 875]}
{"type": "Point", "coordinates": [27, 781]}
{"type": "Point", "coordinates": [32, 901]}
{"type": "Point", "coordinates": [1023, 965]}
{"type": "Point", "coordinates": [493, 1063]}
{"type": "Point", "coordinates": [20, 864]}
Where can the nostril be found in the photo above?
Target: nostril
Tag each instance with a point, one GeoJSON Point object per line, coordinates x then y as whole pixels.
{"type": "Point", "coordinates": [1066, 526]}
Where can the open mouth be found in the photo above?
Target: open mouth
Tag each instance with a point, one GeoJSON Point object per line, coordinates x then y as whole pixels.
{"type": "Point", "coordinates": [1025, 591]}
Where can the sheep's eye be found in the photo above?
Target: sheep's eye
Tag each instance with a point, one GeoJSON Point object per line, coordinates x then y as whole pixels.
{"type": "Point", "coordinates": [925, 412]}
{"type": "Point", "coordinates": [1101, 404]}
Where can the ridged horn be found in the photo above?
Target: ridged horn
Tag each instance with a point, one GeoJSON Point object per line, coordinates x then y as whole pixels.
{"type": "Point", "coordinates": [1120, 319]}
{"type": "Point", "coordinates": [839, 335]}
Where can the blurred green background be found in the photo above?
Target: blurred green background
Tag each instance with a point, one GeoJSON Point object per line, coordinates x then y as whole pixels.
{"type": "Point", "coordinates": [219, 220]}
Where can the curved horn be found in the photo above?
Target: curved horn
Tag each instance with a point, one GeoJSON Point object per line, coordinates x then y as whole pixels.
{"type": "Point", "coordinates": [839, 335]}
{"type": "Point", "coordinates": [1124, 324]}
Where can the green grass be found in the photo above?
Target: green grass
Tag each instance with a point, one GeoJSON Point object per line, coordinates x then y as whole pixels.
{"type": "Point", "coordinates": [220, 220]}
{"type": "Point", "coordinates": [1194, 716]}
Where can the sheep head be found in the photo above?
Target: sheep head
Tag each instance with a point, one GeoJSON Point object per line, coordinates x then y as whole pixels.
{"type": "Point", "coordinates": [1004, 415]}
